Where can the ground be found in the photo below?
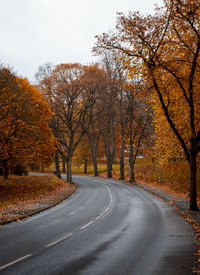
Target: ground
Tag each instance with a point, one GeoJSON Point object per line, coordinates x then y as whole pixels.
{"type": "Point", "coordinates": [23, 195]}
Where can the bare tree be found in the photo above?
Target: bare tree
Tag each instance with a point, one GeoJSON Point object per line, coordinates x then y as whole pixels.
{"type": "Point", "coordinates": [71, 104]}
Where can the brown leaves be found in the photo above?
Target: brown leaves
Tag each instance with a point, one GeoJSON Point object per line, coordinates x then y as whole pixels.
{"type": "Point", "coordinates": [20, 195]}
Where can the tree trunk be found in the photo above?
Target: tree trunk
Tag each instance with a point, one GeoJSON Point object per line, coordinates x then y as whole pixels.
{"type": "Point", "coordinates": [56, 160]}
{"type": "Point", "coordinates": [85, 166]}
{"type": "Point", "coordinates": [121, 160]}
{"type": "Point", "coordinates": [108, 159]}
{"type": "Point", "coordinates": [132, 175]}
{"type": "Point", "coordinates": [69, 169]}
{"type": "Point", "coordinates": [5, 171]}
{"type": "Point", "coordinates": [108, 156]}
{"type": "Point", "coordinates": [109, 167]}
{"type": "Point", "coordinates": [113, 138]}
{"type": "Point", "coordinates": [131, 164]}
{"type": "Point", "coordinates": [93, 150]}
{"type": "Point", "coordinates": [96, 173]}
{"type": "Point", "coordinates": [193, 175]}
{"type": "Point", "coordinates": [63, 164]}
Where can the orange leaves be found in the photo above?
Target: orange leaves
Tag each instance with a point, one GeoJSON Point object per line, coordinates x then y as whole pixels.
{"type": "Point", "coordinates": [24, 114]}
{"type": "Point", "coordinates": [22, 195]}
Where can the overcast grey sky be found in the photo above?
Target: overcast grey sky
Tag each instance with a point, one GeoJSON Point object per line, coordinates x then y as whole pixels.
{"type": "Point", "coordinates": [34, 32]}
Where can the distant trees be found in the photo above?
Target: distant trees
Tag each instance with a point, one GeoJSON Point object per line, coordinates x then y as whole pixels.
{"type": "Point", "coordinates": [90, 103]}
{"type": "Point", "coordinates": [71, 95]}
{"type": "Point", "coordinates": [96, 82]}
{"type": "Point", "coordinates": [163, 50]}
{"type": "Point", "coordinates": [82, 154]}
{"type": "Point", "coordinates": [128, 121]}
{"type": "Point", "coordinates": [25, 137]}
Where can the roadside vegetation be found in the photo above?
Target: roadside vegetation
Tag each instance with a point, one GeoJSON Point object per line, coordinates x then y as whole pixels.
{"type": "Point", "coordinates": [23, 194]}
{"type": "Point", "coordinates": [172, 176]}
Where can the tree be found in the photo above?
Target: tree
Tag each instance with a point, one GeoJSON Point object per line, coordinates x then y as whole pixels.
{"type": "Point", "coordinates": [96, 82]}
{"type": "Point", "coordinates": [71, 104]}
{"type": "Point", "coordinates": [82, 154]}
{"type": "Point", "coordinates": [25, 137]}
{"type": "Point", "coordinates": [165, 49]}
{"type": "Point", "coordinates": [108, 117]}
{"type": "Point", "coordinates": [137, 129]}
{"type": "Point", "coordinates": [118, 76]}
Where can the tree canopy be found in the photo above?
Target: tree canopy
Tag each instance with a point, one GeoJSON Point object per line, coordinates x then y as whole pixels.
{"type": "Point", "coordinates": [163, 51]}
{"type": "Point", "coordinates": [25, 137]}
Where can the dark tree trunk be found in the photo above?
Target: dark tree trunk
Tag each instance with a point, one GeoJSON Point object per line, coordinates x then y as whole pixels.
{"type": "Point", "coordinates": [85, 166]}
{"type": "Point", "coordinates": [193, 175]}
{"type": "Point", "coordinates": [63, 164]}
{"type": "Point", "coordinates": [109, 167]}
{"type": "Point", "coordinates": [96, 173]}
{"type": "Point", "coordinates": [93, 144]}
{"type": "Point", "coordinates": [56, 160]}
{"type": "Point", "coordinates": [69, 169]}
{"type": "Point", "coordinates": [108, 159]}
{"type": "Point", "coordinates": [94, 157]}
{"type": "Point", "coordinates": [131, 164]}
{"type": "Point", "coordinates": [121, 160]}
{"type": "Point", "coordinates": [5, 171]}
{"type": "Point", "coordinates": [113, 138]}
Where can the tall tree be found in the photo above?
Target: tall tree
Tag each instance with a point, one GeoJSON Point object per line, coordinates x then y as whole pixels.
{"type": "Point", "coordinates": [71, 104]}
{"type": "Point", "coordinates": [108, 102]}
{"type": "Point", "coordinates": [166, 49]}
{"type": "Point", "coordinates": [138, 127]}
{"type": "Point", "coordinates": [96, 82]}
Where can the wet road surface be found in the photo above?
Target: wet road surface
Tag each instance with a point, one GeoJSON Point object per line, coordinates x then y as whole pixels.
{"type": "Point", "coordinates": [105, 227]}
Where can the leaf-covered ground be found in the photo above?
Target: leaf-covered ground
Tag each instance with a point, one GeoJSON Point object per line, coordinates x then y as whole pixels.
{"type": "Point", "coordinates": [22, 195]}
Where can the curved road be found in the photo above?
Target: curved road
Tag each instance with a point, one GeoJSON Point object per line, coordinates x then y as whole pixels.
{"type": "Point", "coordinates": [105, 227]}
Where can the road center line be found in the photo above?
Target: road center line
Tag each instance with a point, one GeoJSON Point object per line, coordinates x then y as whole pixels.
{"type": "Point", "coordinates": [16, 261]}
{"type": "Point", "coordinates": [86, 225]}
{"type": "Point", "coordinates": [61, 239]}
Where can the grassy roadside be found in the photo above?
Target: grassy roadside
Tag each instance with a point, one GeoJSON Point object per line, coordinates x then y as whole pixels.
{"type": "Point", "coordinates": [22, 195]}
{"type": "Point", "coordinates": [173, 176]}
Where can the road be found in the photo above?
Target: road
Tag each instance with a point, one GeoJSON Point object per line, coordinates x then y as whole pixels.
{"type": "Point", "coordinates": [105, 227]}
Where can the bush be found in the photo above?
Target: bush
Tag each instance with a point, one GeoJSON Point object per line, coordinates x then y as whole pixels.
{"type": "Point", "coordinates": [20, 170]}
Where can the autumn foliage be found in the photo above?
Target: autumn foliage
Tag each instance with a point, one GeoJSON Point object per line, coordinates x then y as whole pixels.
{"type": "Point", "coordinates": [163, 52]}
{"type": "Point", "coordinates": [25, 137]}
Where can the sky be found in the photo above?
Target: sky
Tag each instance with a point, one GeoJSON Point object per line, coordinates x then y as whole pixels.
{"type": "Point", "coordinates": [34, 32]}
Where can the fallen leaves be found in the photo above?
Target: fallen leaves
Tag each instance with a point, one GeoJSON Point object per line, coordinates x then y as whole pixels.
{"type": "Point", "coordinates": [21, 195]}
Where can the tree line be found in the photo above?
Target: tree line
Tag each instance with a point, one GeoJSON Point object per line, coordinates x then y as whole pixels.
{"type": "Point", "coordinates": [93, 105]}
{"type": "Point", "coordinates": [163, 49]}
{"type": "Point", "coordinates": [143, 95]}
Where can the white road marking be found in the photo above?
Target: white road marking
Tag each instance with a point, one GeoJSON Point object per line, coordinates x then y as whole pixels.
{"type": "Point", "coordinates": [110, 204]}
{"type": "Point", "coordinates": [98, 217]}
{"type": "Point", "coordinates": [66, 236]}
{"type": "Point", "coordinates": [86, 225]}
{"type": "Point", "coordinates": [16, 261]}
{"type": "Point", "coordinates": [61, 239]}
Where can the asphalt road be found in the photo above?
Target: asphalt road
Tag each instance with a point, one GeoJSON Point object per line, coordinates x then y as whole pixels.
{"type": "Point", "coordinates": [105, 228]}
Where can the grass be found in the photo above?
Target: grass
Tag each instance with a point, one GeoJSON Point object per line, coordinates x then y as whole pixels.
{"type": "Point", "coordinates": [80, 169]}
{"type": "Point", "coordinates": [173, 175]}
